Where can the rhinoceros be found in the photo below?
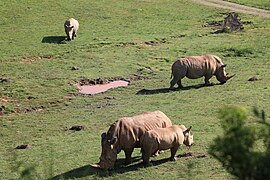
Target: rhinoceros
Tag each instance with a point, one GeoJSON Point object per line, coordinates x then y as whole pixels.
{"type": "Point", "coordinates": [125, 134]}
{"type": "Point", "coordinates": [71, 27]}
{"type": "Point", "coordinates": [194, 67]}
{"type": "Point", "coordinates": [164, 138]}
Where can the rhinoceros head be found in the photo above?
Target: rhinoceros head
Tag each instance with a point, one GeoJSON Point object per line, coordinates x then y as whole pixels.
{"type": "Point", "coordinates": [69, 32]}
{"type": "Point", "coordinates": [221, 75]}
{"type": "Point", "coordinates": [109, 152]}
{"type": "Point", "coordinates": [188, 141]}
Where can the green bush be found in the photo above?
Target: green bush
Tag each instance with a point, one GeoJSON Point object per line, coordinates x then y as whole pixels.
{"type": "Point", "coordinates": [236, 149]}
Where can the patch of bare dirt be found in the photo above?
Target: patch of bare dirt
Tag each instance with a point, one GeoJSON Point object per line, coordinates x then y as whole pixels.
{"type": "Point", "coordinates": [77, 128]}
{"type": "Point", "coordinates": [156, 42]}
{"type": "Point", "coordinates": [90, 82]}
{"type": "Point", "coordinates": [5, 110]}
{"type": "Point", "coordinates": [254, 78]}
{"type": "Point", "coordinates": [191, 154]}
{"type": "Point", "coordinates": [34, 59]}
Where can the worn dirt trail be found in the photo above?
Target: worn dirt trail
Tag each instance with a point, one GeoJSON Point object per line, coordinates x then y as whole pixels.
{"type": "Point", "coordinates": [235, 7]}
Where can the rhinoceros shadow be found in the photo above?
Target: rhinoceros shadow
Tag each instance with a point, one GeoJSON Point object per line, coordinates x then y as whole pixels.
{"type": "Point", "coordinates": [167, 90]}
{"type": "Point", "coordinates": [120, 168]}
{"type": "Point", "coordinates": [54, 39]}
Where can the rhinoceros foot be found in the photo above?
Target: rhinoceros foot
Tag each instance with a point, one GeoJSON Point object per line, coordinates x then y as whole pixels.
{"type": "Point", "coordinates": [172, 158]}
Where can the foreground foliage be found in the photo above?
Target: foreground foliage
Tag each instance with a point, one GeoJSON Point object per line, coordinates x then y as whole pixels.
{"type": "Point", "coordinates": [237, 149]}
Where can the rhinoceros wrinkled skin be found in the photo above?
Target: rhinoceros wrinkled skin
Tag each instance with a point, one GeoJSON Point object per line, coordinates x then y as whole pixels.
{"type": "Point", "coordinates": [164, 138]}
{"type": "Point", "coordinates": [194, 67]}
{"type": "Point", "coordinates": [125, 135]}
{"type": "Point", "coordinates": [71, 27]}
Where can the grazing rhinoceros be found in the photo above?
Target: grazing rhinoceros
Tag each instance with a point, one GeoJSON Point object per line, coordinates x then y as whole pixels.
{"type": "Point", "coordinates": [125, 135]}
{"type": "Point", "coordinates": [194, 67]}
{"type": "Point", "coordinates": [164, 138]}
{"type": "Point", "coordinates": [71, 27]}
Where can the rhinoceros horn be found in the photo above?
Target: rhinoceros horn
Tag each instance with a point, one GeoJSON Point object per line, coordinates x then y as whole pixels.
{"type": "Point", "coordinates": [229, 77]}
{"type": "Point", "coordinates": [97, 165]}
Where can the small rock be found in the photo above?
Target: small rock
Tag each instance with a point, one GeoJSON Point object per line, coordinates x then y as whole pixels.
{"type": "Point", "coordinates": [77, 128]}
{"type": "Point", "coordinates": [3, 80]}
{"type": "Point", "coordinates": [23, 146]}
{"type": "Point", "coordinates": [75, 68]}
{"type": "Point", "coordinates": [107, 97]}
{"type": "Point", "coordinates": [254, 78]}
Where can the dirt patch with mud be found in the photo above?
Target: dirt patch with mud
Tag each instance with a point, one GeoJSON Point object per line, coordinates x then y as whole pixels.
{"type": "Point", "coordinates": [192, 155]}
{"type": "Point", "coordinates": [90, 82]}
{"type": "Point", "coordinates": [4, 110]}
{"type": "Point", "coordinates": [96, 86]}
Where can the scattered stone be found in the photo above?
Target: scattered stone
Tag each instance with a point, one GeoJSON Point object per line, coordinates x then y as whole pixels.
{"type": "Point", "coordinates": [107, 97]}
{"type": "Point", "coordinates": [77, 128]}
{"type": "Point", "coordinates": [254, 78]}
{"type": "Point", "coordinates": [23, 146]}
{"type": "Point", "coordinates": [30, 97]}
{"type": "Point", "coordinates": [201, 156]}
{"type": "Point", "coordinates": [3, 80]}
{"type": "Point", "coordinates": [189, 154]}
{"type": "Point", "coordinates": [185, 154]}
{"type": "Point", "coordinates": [75, 68]}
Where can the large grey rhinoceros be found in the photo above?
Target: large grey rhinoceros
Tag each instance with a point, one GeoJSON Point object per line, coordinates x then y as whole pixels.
{"type": "Point", "coordinates": [71, 27]}
{"type": "Point", "coordinates": [164, 138]}
{"type": "Point", "coordinates": [125, 135]}
{"type": "Point", "coordinates": [194, 67]}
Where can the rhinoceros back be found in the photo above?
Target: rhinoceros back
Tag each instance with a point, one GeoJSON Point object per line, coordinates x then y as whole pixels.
{"type": "Point", "coordinates": [128, 130]}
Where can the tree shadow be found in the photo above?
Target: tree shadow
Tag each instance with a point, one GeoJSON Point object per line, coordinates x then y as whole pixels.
{"type": "Point", "coordinates": [120, 168]}
{"type": "Point", "coordinates": [54, 39]}
{"type": "Point", "coordinates": [167, 90]}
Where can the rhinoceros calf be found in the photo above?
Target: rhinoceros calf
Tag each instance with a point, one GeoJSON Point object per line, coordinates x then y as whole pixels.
{"type": "Point", "coordinates": [71, 27]}
{"type": "Point", "coordinates": [194, 67]}
{"type": "Point", "coordinates": [125, 135]}
{"type": "Point", "coordinates": [164, 138]}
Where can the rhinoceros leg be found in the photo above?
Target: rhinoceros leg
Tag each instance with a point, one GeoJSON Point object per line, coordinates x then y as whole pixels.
{"type": "Point", "coordinates": [173, 152]}
{"type": "Point", "coordinates": [177, 76]}
{"type": "Point", "coordinates": [128, 153]}
{"type": "Point", "coordinates": [179, 83]}
{"type": "Point", "coordinates": [174, 81]}
{"type": "Point", "coordinates": [73, 35]}
{"type": "Point", "coordinates": [207, 79]}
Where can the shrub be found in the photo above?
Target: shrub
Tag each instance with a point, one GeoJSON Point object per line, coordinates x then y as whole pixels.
{"type": "Point", "coordinates": [236, 149]}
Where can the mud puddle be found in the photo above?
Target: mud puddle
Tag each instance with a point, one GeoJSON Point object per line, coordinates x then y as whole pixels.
{"type": "Point", "coordinates": [95, 86]}
{"type": "Point", "coordinates": [100, 88]}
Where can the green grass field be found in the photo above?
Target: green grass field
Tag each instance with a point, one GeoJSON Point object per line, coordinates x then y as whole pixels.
{"type": "Point", "coordinates": [264, 4]}
{"type": "Point", "coordinates": [39, 99]}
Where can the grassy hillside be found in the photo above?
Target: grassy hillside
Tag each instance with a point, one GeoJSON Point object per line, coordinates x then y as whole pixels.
{"type": "Point", "coordinates": [39, 100]}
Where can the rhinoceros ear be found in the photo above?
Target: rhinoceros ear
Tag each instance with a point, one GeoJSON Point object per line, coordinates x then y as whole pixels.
{"type": "Point", "coordinates": [187, 131]}
{"type": "Point", "coordinates": [103, 137]}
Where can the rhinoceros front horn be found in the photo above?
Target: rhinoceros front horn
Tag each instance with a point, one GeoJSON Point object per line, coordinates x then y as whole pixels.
{"type": "Point", "coordinates": [229, 77]}
{"type": "Point", "coordinates": [97, 165]}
